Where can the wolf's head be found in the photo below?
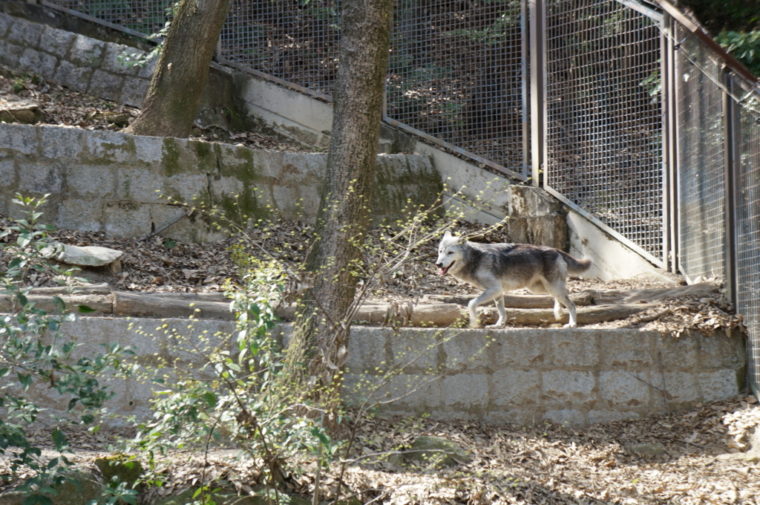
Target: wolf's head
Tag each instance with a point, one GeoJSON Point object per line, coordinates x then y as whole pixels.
{"type": "Point", "coordinates": [449, 253]}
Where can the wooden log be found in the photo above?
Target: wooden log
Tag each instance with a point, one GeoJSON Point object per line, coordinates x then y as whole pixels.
{"type": "Point", "coordinates": [520, 301]}
{"type": "Point", "coordinates": [142, 305]}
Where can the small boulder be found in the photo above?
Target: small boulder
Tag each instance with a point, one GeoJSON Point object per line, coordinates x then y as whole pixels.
{"type": "Point", "coordinates": [87, 256]}
{"type": "Point", "coordinates": [645, 449]}
{"type": "Point", "coordinates": [435, 452]}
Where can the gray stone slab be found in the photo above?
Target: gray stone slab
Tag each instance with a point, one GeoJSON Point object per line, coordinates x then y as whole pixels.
{"type": "Point", "coordinates": [148, 150]}
{"type": "Point", "coordinates": [60, 143]}
{"type": "Point", "coordinates": [367, 351]}
{"type": "Point", "coordinates": [140, 185]}
{"type": "Point", "coordinates": [187, 187]}
{"type": "Point", "coordinates": [416, 350]}
{"type": "Point", "coordinates": [622, 388]}
{"type": "Point", "coordinates": [465, 391]}
{"type": "Point", "coordinates": [145, 71]}
{"type": "Point", "coordinates": [84, 215]}
{"type": "Point", "coordinates": [91, 181]}
{"type": "Point", "coordinates": [37, 62]}
{"type": "Point", "coordinates": [515, 388]}
{"type": "Point", "coordinates": [108, 146]}
{"type": "Point", "coordinates": [524, 349]}
{"type": "Point", "coordinates": [361, 389]}
{"type": "Point", "coordinates": [5, 23]}
{"type": "Point", "coordinates": [720, 351]}
{"type": "Point", "coordinates": [56, 42]}
{"type": "Point", "coordinates": [120, 59]}
{"type": "Point", "coordinates": [572, 349]}
{"type": "Point", "coordinates": [678, 387]}
{"type": "Point", "coordinates": [8, 173]}
{"type": "Point", "coordinates": [40, 178]}
{"type": "Point", "coordinates": [629, 350]}
{"type": "Point", "coordinates": [25, 32]}
{"type": "Point", "coordinates": [10, 53]}
{"type": "Point", "coordinates": [720, 384]}
{"type": "Point", "coordinates": [106, 85]}
{"type": "Point", "coordinates": [568, 387]}
{"type": "Point", "coordinates": [675, 353]}
{"type": "Point", "coordinates": [467, 350]}
{"type": "Point", "coordinates": [134, 90]}
{"type": "Point", "coordinates": [414, 392]}
{"type": "Point", "coordinates": [18, 139]}
{"type": "Point", "coordinates": [72, 76]}
{"type": "Point", "coordinates": [87, 51]}
{"type": "Point", "coordinates": [126, 219]}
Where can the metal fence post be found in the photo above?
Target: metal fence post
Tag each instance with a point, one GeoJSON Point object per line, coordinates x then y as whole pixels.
{"type": "Point", "coordinates": [669, 148]}
{"type": "Point", "coordinates": [731, 155]}
{"type": "Point", "coordinates": [537, 28]}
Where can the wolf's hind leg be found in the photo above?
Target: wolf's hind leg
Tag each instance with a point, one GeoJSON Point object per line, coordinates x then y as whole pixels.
{"type": "Point", "coordinates": [559, 292]}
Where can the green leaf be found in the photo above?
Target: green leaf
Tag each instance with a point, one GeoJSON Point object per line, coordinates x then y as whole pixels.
{"type": "Point", "coordinates": [84, 309]}
{"type": "Point", "coordinates": [24, 379]}
{"type": "Point", "coordinates": [59, 439]}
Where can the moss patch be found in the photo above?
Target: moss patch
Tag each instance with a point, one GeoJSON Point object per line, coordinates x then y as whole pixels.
{"type": "Point", "coordinates": [170, 161]}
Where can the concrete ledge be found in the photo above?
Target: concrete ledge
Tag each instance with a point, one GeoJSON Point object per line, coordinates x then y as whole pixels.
{"type": "Point", "coordinates": [576, 376]}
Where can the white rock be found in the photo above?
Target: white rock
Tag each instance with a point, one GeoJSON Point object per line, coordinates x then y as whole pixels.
{"type": "Point", "coordinates": [87, 256]}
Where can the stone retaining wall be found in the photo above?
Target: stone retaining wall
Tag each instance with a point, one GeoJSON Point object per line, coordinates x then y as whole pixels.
{"type": "Point", "coordinates": [575, 376]}
{"type": "Point", "coordinates": [119, 183]}
{"type": "Point", "coordinates": [73, 60]}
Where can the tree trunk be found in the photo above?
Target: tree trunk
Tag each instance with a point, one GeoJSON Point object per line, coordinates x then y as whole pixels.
{"type": "Point", "coordinates": [181, 74]}
{"type": "Point", "coordinates": [318, 349]}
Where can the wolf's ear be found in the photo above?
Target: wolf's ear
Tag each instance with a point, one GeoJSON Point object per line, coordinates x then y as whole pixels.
{"type": "Point", "coordinates": [447, 235]}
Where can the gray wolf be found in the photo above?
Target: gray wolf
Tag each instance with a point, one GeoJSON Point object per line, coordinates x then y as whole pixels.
{"type": "Point", "coordinates": [498, 268]}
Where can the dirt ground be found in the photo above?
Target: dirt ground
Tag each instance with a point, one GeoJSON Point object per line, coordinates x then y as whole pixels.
{"type": "Point", "coordinates": [693, 457]}
{"type": "Point", "coordinates": [690, 458]}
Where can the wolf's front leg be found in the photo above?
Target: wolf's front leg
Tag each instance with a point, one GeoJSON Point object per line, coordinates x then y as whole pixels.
{"type": "Point", "coordinates": [485, 297]}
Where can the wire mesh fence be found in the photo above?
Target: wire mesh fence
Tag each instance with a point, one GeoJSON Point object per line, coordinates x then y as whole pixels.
{"type": "Point", "coordinates": [296, 41]}
{"type": "Point", "coordinates": [603, 116]}
{"type": "Point", "coordinates": [457, 73]}
{"type": "Point", "coordinates": [748, 221]}
{"type": "Point", "coordinates": [701, 160]}
{"type": "Point", "coordinates": [143, 16]}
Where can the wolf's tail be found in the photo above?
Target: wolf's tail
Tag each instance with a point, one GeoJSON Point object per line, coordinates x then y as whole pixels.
{"type": "Point", "coordinates": [575, 266]}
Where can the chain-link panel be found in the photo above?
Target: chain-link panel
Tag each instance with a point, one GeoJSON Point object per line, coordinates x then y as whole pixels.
{"type": "Point", "coordinates": [293, 40]}
{"type": "Point", "coordinates": [701, 160]}
{"type": "Point", "coordinates": [143, 16]}
{"type": "Point", "coordinates": [457, 73]}
{"type": "Point", "coordinates": [747, 201]}
{"type": "Point", "coordinates": [603, 117]}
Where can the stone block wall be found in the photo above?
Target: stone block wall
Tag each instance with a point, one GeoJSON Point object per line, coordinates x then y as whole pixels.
{"type": "Point", "coordinates": [521, 376]}
{"type": "Point", "coordinates": [73, 60]}
{"type": "Point", "coordinates": [575, 376]}
{"type": "Point", "coordinates": [123, 184]}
